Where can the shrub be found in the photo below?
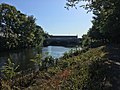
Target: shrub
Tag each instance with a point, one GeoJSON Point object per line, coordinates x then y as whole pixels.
{"type": "Point", "coordinates": [9, 70]}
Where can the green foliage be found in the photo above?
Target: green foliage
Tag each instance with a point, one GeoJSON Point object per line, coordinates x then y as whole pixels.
{"type": "Point", "coordinates": [87, 70]}
{"type": "Point", "coordinates": [106, 28]}
{"type": "Point", "coordinates": [73, 52]}
{"type": "Point", "coordinates": [9, 70]}
{"type": "Point", "coordinates": [43, 63]}
{"type": "Point", "coordinates": [18, 30]}
{"type": "Point", "coordinates": [66, 55]}
{"type": "Point", "coordinates": [37, 60]}
{"type": "Point", "coordinates": [86, 41]}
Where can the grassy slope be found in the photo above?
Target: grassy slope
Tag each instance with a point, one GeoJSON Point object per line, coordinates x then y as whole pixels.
{"type": "Point", "coordinates": [95, 69]}
{"type": "Point", "coordinates": [84, 72]}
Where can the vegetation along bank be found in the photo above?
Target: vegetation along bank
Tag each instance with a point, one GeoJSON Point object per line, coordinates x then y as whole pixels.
{"type": "Point", "coordinates": [96, 67]}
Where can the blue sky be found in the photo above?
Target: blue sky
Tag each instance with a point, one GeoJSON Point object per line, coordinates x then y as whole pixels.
{"type": "Point", "coordinates": [53, 17]}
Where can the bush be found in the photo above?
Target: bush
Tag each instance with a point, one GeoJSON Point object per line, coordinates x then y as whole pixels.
{"type": "Point", "coordinates": [9, 70]}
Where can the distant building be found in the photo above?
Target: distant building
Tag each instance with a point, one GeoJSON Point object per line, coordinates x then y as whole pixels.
{"type": "Point", "coordinates": [62, 37]}
{"type": "Point", "coordinates": [62, 40]}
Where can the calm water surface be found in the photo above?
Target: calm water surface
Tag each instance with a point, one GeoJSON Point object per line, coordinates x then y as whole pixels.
{"type": "Point", "coordinates": [22, 57]}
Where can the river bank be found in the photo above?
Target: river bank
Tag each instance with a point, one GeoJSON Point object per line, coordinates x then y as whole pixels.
{"type": "Point", "coordinates": [93, 69]}
{"type": "Point", "coordinates": [22, 57]}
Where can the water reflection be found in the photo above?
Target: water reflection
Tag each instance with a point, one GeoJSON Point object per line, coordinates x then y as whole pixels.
{"type": "Point", "coordinates": [19, 57]}
{"type": "Point", "coordinates": [55, 51]}
{"type": "Point", "coordinates": [22, 57]}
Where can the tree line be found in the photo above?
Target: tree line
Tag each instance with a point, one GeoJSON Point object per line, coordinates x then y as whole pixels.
{"type": "Point", "coordinates": [106, 21]}
{"type": "Point", "coordinates": [18, 30]}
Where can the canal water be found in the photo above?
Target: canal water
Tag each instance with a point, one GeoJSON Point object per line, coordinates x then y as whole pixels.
{"type": "Point", "coordinates": [22, 57]}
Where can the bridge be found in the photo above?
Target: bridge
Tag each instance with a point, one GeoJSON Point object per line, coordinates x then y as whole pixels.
{"type": "Point", "coordinates": [62, 41]}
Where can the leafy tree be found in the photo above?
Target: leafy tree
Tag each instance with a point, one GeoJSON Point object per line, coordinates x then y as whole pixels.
{"type": "Point", "coordinates": [106, 19]}
{"type": "Point", "coordinates": [86, 41]}
{"type": "Point", "coordinates": [18, 30]}
{"type": "Point", "coordinates": [8, 24]}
